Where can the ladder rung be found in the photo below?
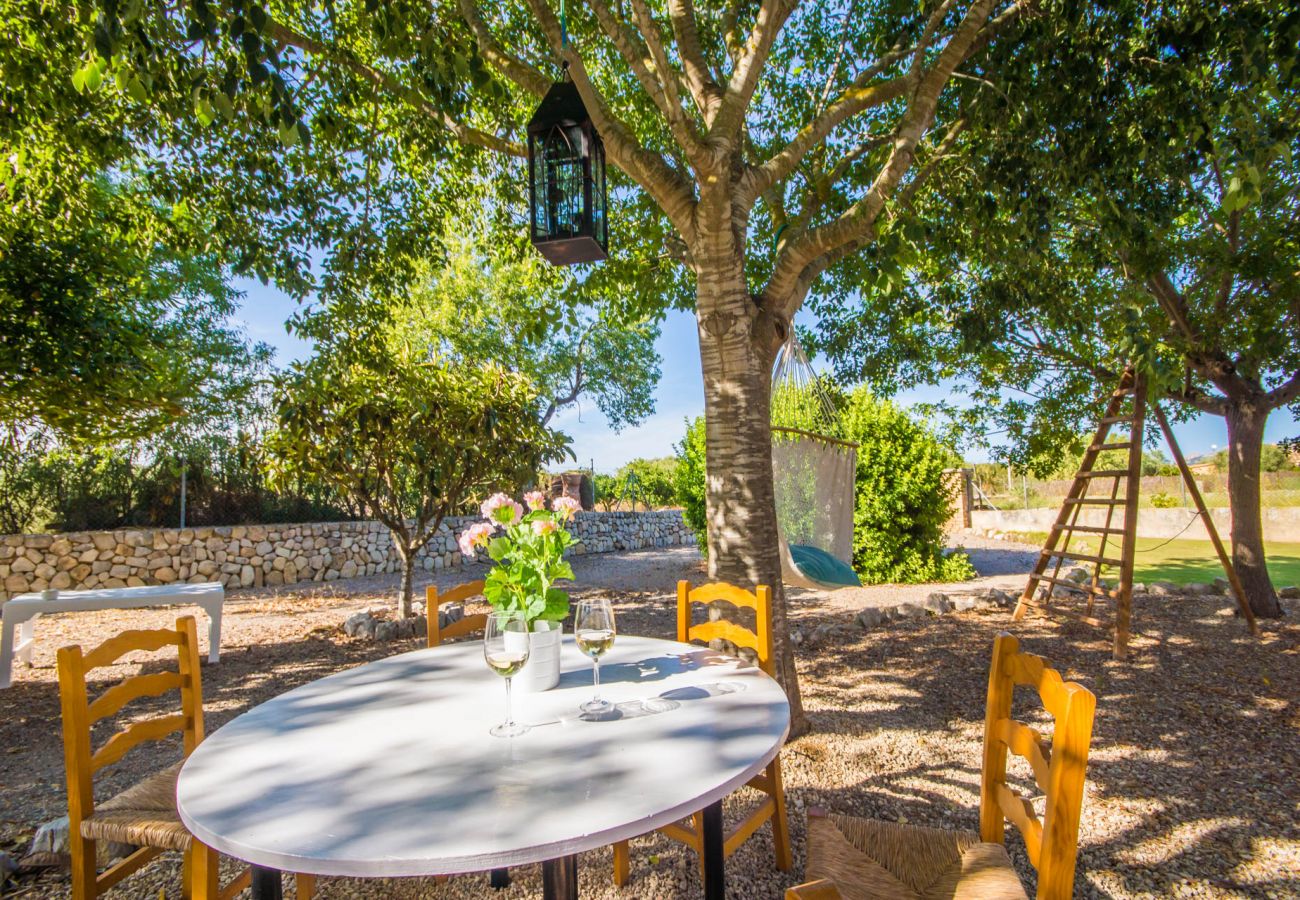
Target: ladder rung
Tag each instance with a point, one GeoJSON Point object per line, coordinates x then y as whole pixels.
{"type": "Point", "coordinates": [1114, 420]}
{"type": "Point", "coordinates": [1081, 588]}
{"type": "Point", "coordinates": [1103, 473]}
{"type": "Point", "coordinates": [1121, 445]}
{"type": "Point", "coordinates": [1097, 501]}
{"type": "Point", "coordinates": [1083, 557]}
{"type": "Point", "coordinates": [1088, 529]}
{"type": "Point", "coordinates": [1067, 613]}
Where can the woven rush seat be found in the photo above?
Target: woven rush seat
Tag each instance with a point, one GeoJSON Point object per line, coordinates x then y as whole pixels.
{"type": "Point", "coordinates": [143, 815]}
{"type": "Point", "coordinates": [872, 860]}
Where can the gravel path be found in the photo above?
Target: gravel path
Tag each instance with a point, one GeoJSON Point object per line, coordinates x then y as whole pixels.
{"type": "Point", "coordinates": [1194, 780]}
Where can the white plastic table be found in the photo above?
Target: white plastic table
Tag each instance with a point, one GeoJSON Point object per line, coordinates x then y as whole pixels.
{"type": "Point", "coordinates": [388, 769]}
{"type": "Point", "coordinates": [21, 613]}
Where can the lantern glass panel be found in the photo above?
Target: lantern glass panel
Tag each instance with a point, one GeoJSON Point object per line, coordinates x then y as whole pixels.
{"type": "Point", "coordinates": [560, 181]}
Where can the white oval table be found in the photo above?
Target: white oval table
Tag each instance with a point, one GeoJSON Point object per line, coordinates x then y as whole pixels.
{"type": "Point", "coordinates": [388, 769]}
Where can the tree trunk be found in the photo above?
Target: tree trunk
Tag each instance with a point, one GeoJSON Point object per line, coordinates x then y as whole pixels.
{"type": "Point", "coordinates": [737, 350]}
{"type": "Point", "coordinates": [407, 557]}
{"type": "Point", "coordinates": [1245, 444]}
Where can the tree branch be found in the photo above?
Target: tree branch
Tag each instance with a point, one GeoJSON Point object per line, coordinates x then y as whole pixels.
{"type": "Point", "coordinates": [1284, 393]}
{"type": "Point", "coordinates": [725, 126]}
{"type": "Point", "coordinates": [858, 222]}
{"type": "Point", "coordinates": [285, 35]}
{"type": "Point", "coordinates": [705, 91]}
{"type": "Point", "coordinates": [518, 71]}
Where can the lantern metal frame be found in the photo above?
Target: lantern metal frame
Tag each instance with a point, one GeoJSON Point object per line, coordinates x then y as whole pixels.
{"type": "Point", "coordinates": [563, 113]}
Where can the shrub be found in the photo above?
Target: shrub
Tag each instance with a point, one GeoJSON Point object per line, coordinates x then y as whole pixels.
{"type": "Point", "coordinates": [654, 480]}
{"type": "Point", "coordinates": [688, 482]}
{"type": "Point", "coordinates": [902, 500]}
{"type": "Point", "coordinates": [1161, 500]}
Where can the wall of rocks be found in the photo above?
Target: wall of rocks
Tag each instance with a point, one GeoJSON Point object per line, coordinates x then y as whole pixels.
{"type": "Point", "coordinates": [242, 556]}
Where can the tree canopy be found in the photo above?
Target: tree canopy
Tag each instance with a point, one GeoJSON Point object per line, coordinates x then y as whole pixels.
{"type": "Point", "coordinates": [486, 295]}
{"type": "Point", "coordinates": [410, 438]}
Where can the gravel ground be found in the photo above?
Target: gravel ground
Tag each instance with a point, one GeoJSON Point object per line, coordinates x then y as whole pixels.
{"type": "Point", "coordinates": [1193, 784]}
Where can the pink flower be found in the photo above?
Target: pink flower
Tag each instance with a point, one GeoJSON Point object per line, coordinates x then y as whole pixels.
{"type": "Point", "coordinates": [565, 507]}
{"type": "Point", "coordinates": [536, 500]}
{"type": "Point", "coordinates": [476, 535]}
{"type": "Point", "coordinates": [545, 526]}
{"type": "Point", "coordinates": [501, 509]}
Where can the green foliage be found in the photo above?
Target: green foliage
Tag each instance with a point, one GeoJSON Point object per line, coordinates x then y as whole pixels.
{"type": "Point", "coordinates": [488, 295]}
{"type": "Point", "coordinates": [409, 439]}
{"type": "Point", "coordinates": [529, 561]}
{"type": "Point", "coordinates": [1154, 223]}
{"type": "Point", "coordinates": [654, 482]}
{"type": "Point", "coordinates": [108, 338]}
{"type": "Point", "coordinates": [607, 489]}
{"type": "Point", "coordinates": [1161, 500]}
{"type": "Point", "coordinates": [902, 500]}
{"type": "Point", "coordinates": [689, 482]}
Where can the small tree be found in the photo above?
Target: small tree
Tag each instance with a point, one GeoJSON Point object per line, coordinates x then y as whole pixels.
{"type": "Point", "coordinates": [407, 439]}
{"type": "Point", "coordinates": [902, 501]}
{"type": "Point", "coordinates": [689, 482]}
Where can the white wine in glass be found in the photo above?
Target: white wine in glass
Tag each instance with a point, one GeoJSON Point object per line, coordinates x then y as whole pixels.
{"type": "Point", "coordinates": [593, 630]}
{"type": "Point", "coordinates": [505, 648]}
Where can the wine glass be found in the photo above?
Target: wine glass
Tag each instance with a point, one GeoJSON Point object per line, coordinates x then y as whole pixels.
{"type": "Point", "coordinates": [593, 629]}
{"type": "Point", "coordinates": [505, 647]}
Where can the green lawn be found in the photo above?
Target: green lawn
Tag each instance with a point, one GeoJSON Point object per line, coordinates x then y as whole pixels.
{"type": "Point", "coordinates": [1184, 562]}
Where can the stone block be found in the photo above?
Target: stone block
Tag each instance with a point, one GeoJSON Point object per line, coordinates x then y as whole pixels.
{"type": "Point", "coordinates": [166, 574]}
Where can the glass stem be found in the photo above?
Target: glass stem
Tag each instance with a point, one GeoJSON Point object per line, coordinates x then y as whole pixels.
{"type": "Point", "coordinates": [595, 677]}
{"type": "Point", "coordinates": [510, 719]}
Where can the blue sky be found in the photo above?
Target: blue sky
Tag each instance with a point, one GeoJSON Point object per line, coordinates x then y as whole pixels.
{"type": "Point", "coordinates": [680, 394]}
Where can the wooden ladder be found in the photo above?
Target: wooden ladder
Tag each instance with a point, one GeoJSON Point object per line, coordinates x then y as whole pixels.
{"type": "Point", "coordinates": [1131, 392]}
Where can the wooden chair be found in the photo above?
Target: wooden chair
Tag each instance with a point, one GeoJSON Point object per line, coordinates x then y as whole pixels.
{"type": "Point", "coordinates": [143, 815]}
{"type": "Point", "coordinates": [769, 782]}
{"type": "Point", "coordinates": [433, 602]}
{"type": "Point", "coordinates": [863, 858]}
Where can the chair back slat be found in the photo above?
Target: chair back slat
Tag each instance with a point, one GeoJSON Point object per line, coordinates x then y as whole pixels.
{"type": "Point", "coordinates": [434, 601]}
{"type": "Point", "coordinates": [1027, 743]}
{"type": "Point", "coordinates": [1052, 841]}
{"type": "Point", "coordinates": [1020, 811]}
{"type": "Point", "coordinates": [114, 648]}
{"type": "Point", "coordinates": [759, 640]}
{"type": "Point", "coordinates": [133, 688]}
{"type": "Point", "coordinates": [137, 733]}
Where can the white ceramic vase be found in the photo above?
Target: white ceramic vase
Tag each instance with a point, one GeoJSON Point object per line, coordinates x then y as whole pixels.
{"type": "Point", "coordinates": [542, 671]}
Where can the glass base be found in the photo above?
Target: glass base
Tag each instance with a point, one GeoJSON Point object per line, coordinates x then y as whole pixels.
{"type": "Point", "coordinates": [507, 729]}
{"type": "Point", "coordinates": [596, 706]}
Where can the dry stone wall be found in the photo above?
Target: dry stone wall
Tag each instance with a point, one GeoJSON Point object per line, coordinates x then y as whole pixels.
{"type": "Point", "coordinates": [243, 556]}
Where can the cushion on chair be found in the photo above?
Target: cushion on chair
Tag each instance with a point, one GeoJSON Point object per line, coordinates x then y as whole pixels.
{"type": "Point", "coordinates": [143, 815]}
{"type": "Point", "coordinates": [872, 860]}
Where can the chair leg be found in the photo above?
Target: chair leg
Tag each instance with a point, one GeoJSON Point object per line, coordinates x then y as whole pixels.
{"type": "Point", "coordinates": [204, 867]}
{"type": "Point", "coordinates": [305, 886]}
{"type": "Point", "coordinates": [84, 885]}
{"type": "Point", "coordinates": [622, 864]}
{"type": "Point", "coordinates": [780, 826]}
{"type": "Point", "coordinates": [697, 825]}
{"type": "Point", "coordinates": [187, 876]}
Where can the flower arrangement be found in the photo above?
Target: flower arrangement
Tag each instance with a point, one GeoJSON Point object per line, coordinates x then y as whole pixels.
{"type": "Point", "coordinates": [529, 554]}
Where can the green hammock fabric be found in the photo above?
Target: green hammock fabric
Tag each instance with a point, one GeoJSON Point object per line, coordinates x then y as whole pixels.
{"type": "Point", "coordinates": [818, 565]}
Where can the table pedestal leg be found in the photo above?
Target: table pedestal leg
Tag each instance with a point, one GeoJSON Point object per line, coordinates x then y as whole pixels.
{"type": "Point", "coordinates": [560, 878]}
{"type": "Point", "coordinates": [715, 883]}
{"type": "Point", "coordinates": [267, 884]}
{"type": "Point", "coordinates": [499, 878]}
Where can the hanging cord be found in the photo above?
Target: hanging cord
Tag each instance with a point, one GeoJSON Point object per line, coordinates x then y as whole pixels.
{"type": "Point", "coordinates": [1190, 523]}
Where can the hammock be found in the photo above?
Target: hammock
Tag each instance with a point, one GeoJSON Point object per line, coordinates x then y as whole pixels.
{"type": "Point", "coordinates": [813, 476]}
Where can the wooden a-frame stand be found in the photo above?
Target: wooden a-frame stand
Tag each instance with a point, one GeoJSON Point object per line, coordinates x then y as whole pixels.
{"type": "Point", "coordinates": [1067, 524]}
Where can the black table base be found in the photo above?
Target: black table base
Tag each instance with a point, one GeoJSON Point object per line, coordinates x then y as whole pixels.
{"type": "Point", "coordinates": [560, 876]}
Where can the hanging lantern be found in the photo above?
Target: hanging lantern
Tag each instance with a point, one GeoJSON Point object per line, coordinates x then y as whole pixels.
{"type": "Point", "coordinates": [567, 195]}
